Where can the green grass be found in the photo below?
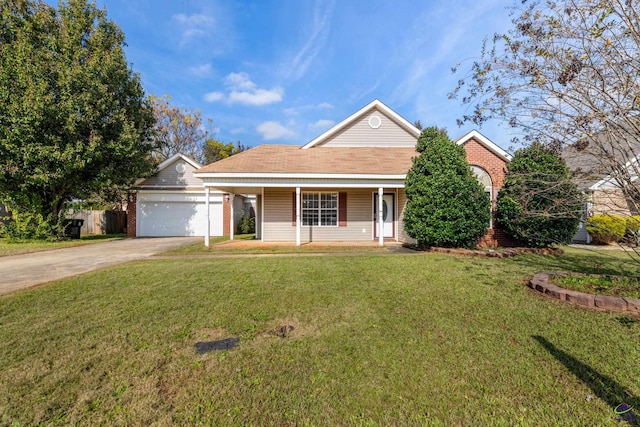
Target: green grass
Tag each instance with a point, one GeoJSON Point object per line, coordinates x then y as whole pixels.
{"type": "Point", "coordinates": [426, 339]}
{"type": "Point", "coordinates": [621, 286]}
{"type": "Point", "coordinates": [8, 247]}
{"type": "Point", "coordinates": [219, 245]}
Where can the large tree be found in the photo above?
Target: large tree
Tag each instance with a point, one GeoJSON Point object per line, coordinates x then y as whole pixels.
{"type": "Point", "coordinates": [178, 130]}
{"type": "Point", "coordinates": [446, 205]}
{"type": "Point", "coordinates": [539, 205]}
{"type": "Point", "coordinates": [216, 150]}
{"type": "Point", "coordinates": [74, 117]}
{"type": "Point", "coordinates": [567, 73]}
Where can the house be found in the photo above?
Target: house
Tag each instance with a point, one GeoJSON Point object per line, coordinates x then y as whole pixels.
{"type": "Point", "coordinates": [591, 166]}
{"type": "Point", "coordinates": [173, 202]}
{"type": "Point", "coordinates": [345, 185]}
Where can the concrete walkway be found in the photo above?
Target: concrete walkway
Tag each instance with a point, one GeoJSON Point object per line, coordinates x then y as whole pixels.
{"type": "Point", "coordinates": [27, 270]}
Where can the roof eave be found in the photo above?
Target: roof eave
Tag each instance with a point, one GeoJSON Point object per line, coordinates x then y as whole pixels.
{"type": "Point", "coordinates": [318, 176]}
{"type": "Point", "coordinates": [177, 156]}
{"type": "Point", "coordinates": [490, 145]}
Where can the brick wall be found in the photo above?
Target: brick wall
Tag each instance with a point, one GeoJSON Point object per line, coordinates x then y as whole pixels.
{"type": "Point", "coordinates": [226, 214]}
{"type": "Point", "coordinates": [131, 215]}
{"type": "Point", "coordinates": [496, 167]}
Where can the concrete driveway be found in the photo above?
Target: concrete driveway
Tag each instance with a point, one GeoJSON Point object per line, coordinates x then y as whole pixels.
{"type": "Point", "coordinates": [24, 271]}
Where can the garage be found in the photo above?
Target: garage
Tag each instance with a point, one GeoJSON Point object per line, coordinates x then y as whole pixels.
{"type": "Point", "coordinates": [163, 214]}
{"type": "Point", "coordinates": [171, 202]}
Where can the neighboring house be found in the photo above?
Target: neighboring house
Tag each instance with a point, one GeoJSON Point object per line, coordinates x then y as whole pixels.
{"type": "Point", "coordinates": [173, 202]}
{"type": "Point", "coordinates": [592, 176]}
{"type": "Point", "coordinates": [345, 185]}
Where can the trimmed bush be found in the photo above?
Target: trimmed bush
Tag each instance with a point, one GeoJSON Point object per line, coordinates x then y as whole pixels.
{"type": "Point", "coordinates": [539, 205]}
{"type": "Point", "coordinates": [633, 225]}
{"type": "Point", "coordinates": [605, 229]}
{"type": "Point", "coordinates": [446, 205]}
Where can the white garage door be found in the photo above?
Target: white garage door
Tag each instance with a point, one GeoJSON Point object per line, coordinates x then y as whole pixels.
{"type": "Point", "coordinates": [173, 217]}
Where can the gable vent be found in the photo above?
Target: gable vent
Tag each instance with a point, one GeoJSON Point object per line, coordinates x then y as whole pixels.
{"type": "Point", "coordinates": [375, 122]}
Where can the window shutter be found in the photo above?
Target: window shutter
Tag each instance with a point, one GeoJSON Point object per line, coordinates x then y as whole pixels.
{"type": "Point", "coordinates": [342, 209]}
{"type": "Point", "coordinates": [293, 209]}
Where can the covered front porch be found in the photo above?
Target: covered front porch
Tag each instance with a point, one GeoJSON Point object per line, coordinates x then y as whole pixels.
{"type": "Point", "coordinates": [319, 213]}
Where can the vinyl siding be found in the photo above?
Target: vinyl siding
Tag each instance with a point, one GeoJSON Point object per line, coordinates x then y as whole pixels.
{"type": "Point", "coordinates": [278, 213]}
{"type": "Point", "coordinates": [169, 177]}
{"type": "Point", "coordinates": [360, 134]}
{"type": "Point", "coordinates": [611, 201]}
{"type": "Point", "coordinates": [402, 202]}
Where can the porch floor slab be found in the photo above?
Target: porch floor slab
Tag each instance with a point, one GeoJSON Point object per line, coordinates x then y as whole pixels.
{"type": "Point", "coordinates": [244, 243]}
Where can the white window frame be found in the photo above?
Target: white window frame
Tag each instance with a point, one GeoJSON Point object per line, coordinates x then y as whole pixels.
{"type": "Point", "coordinates": [319, 209]}
{"type": "Point", "coordinates": [487, 188]}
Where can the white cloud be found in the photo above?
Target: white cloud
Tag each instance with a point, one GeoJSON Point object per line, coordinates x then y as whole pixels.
{"type": "Point", "coordinates": [201, 70]}
{"type": "Point", "coordinates": [274, 130]}
{"type": "Point", "coordinates": [195, 20]}
{"type": "Point", "coordinates": [239, 81]}
{"type": "Point", "coordinates": [213, 96]}
{"type": "Point", "coordinates": [241, 90]}
{"type": "Point", "coordinates": [325, 106]}
{"type": "Point", "coordinates": [236, 131]}
{"type": "Point", "coordinates": [193, 26]}
{"type": "Point", "coordinates": [258, 97]}
{"type": "Point", "coordinates": [322, 124]}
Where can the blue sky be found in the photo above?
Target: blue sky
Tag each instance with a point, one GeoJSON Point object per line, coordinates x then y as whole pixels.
{"type": "Point", "coordinates": [284, 71]}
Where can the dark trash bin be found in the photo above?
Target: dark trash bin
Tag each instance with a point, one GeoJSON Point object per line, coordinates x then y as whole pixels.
{"type": "Point", "coordinates": [72, 228]}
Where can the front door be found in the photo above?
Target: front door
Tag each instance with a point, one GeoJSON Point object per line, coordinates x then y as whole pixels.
{"type": "Point", "coordinates": [388, 215]}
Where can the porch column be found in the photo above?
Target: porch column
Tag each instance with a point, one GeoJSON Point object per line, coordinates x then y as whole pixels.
{"type": "Point", "coordinates": [258, 217]}
{"type": "Point", "coordinates": [231, 220]}
{"type": "Point", "coordinates": [207, 192]}
{"type": "Point", "coordinates": [298, 225]}
{"type": "Point", "coordinates": [380, 218]}
{"type": "Point", "coordinates": [262, 216]}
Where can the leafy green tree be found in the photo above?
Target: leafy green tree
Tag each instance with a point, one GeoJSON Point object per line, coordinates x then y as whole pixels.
{"type": "Point", "coordinates": [216, 150]}
{"type": "Point", "coordinates": [74, 117]}
{"type": "Point", "coordinates": [539, 205]}
{"type": "Point", "coordinates": [446, 205]}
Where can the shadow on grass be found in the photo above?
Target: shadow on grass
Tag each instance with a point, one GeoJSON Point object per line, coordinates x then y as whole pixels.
{"type": "Point", "coordinates": [585, 262]}
{"type": "Point", "coordinates": [607, 389]}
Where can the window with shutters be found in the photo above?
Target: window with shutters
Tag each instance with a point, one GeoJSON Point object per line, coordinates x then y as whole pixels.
{"type": "Point", "coordinates": [320, 209]}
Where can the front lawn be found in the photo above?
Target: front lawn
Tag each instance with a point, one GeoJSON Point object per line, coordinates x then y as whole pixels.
{"type": "Point", "coordinates": [621, 286]}
{"type": "Point", "coordinates": [425, 339]}
{"type": "Point", "coordinates": [222, 245]}
{"type": "Point", "coordinates": [8, 247]}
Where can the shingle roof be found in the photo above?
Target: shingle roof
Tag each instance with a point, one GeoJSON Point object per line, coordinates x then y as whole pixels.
{"type": "Point", "coordinates": [316, 160]}
{"type": "Point", "coordinates": [591, 161]}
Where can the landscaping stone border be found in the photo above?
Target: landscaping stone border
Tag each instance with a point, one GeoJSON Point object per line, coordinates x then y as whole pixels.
{"type": "Point", "coordinates": [541, 282]}
{"type": "Point", "coordinates": [498, 253]}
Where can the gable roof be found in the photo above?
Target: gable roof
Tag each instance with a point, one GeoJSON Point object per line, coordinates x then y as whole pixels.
{"type": "Point", "coordinates": [373, 105]}
{"type": "Point", "coordinates": [486, 142]}
{"type": "Point", "coordinates": [175, 157]}
{"type": "Point", "coordinates": [292, 160]}
{"type": "Point", "coordinates": [159, 178]}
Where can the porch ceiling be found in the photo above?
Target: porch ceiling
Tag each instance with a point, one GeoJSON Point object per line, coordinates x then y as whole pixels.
{"type": "Point", "coordinates": [237, 189]}
{"type": "Point", "coordinates": [255, 186]}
